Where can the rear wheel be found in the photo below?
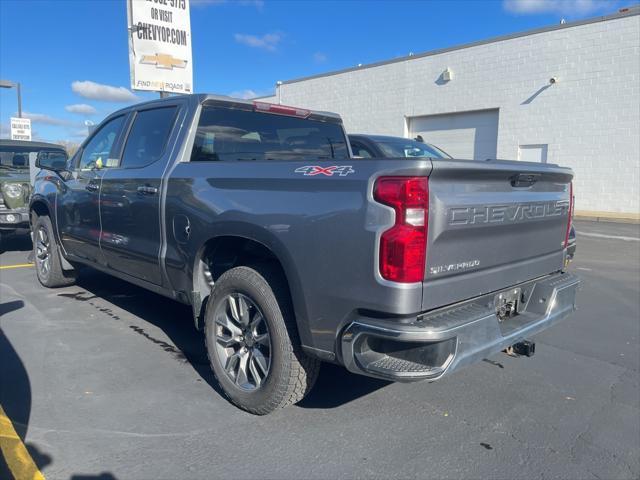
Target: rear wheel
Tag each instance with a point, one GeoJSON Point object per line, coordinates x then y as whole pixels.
{"type": "Point", "coordinates": [47, 256]}
{"type": "Point", "coordinates": [252, 341]}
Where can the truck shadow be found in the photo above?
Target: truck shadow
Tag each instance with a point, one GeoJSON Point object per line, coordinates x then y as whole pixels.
{"type": "Point", "coordinates": [15, 393]}
{"type": "Point", "coordinates": [15, 388]}
{"type": "Point", "coordinates": [335, 386]}
{"type": "Point", "coordinates": [15, 243]}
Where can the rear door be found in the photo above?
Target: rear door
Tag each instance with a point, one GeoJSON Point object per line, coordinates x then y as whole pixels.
{"type": "Point", "coordinates": [130, 200]}
{"type": "Point", "coordinates": [77, 207]}
{"type": "Point", "coordinates": [493, 225]}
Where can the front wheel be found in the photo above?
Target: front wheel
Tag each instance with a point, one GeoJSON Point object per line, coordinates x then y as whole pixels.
{"type": "Point", "coordinates": [47, 256]}
{"type": "Point", "coordinates": [252, 341]}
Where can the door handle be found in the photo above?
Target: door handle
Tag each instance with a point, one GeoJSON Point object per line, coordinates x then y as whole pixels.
{"type": "Point", "coordinates": [92, 187]}
{"type": "Point", "coordinates": [147, 190]}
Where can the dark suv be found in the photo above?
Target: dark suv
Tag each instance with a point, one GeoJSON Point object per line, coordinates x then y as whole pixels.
{"type": "Point", "coordinates": [384, 146]}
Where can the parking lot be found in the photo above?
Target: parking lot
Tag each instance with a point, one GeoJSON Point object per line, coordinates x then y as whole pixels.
{"type": "Point", "coordinates": [106, 380]}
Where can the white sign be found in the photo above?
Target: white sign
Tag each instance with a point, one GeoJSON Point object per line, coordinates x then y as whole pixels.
{"type": "Point", "coordinates": [20, 129]}
{"type": "Point", "coordinates": [160, 45]}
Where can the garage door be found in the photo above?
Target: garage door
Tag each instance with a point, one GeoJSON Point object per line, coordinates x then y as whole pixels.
{"type": "Point", "coordinates": [468, 135]}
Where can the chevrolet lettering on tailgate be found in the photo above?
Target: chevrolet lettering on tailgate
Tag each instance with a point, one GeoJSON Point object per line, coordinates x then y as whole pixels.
{"type": "Point", "coordinates": [521, 212]}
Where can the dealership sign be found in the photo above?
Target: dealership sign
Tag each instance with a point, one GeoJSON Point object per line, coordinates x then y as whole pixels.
{"type": "Point", "coordinates": [20, 129]}
{"type": "Point", "coordinates": [160, 45]}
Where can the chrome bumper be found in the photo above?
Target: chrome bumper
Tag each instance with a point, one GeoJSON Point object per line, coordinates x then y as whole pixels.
{"type": "Point", "coordinates": [438, 342]}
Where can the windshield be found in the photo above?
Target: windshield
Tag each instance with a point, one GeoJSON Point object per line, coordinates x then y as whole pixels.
{"type": "Point", "coordinates": [411, 148]}
{"type": "Point", "coordinates": [232, 135]}
{"type": "Point", "coordinates": [19, 158]}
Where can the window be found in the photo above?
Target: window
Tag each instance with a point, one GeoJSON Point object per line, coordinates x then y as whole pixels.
{"type": "Point", "coordinates": [234, 135]}
{"type": "Point", "coordinates": [148, 137]}
{"type": "Point", "coordinates": [533, 153]}
{"type": "Point", "coordinates": [19, 157]}
{"type": "Point", "coordinates": [359, 150]}
{"type": "Point", "coordinates": [411, 148]}
{"type": "Point", "coordinates": [96, 153]}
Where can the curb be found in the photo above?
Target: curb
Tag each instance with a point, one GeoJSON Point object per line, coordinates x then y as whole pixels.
{"type": "Point", "coordinates": [592, 218]}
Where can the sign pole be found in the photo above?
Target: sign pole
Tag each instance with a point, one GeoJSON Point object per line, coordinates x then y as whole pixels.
{"type": "Point", "coordinates": [19, 100]}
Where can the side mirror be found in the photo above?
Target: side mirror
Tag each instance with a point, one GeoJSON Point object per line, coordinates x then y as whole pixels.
{"type": "Point", "coordinates": [56, 161]}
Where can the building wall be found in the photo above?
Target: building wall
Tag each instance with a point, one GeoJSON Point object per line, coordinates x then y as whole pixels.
{"type": "Point", "coordinates": [590, 118]}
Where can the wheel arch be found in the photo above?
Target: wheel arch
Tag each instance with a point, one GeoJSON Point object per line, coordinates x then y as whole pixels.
{"type": "Point", "coordinates": [39, 207]}
{"type": "Point", "coordinates": [220, 253]}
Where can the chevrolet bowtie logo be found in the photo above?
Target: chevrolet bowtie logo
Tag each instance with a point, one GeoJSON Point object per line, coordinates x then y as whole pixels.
{"type": "Point", "coordinates": [162, 60]}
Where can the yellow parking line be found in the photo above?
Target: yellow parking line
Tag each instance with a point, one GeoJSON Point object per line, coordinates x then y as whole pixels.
{"type": "Point", "coordinates": [20, 265]}
{"type": "Point", "coordinates": [15, 453]}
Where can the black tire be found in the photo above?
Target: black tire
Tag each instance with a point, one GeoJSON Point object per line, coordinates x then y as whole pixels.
{"type": "Point", "coordinates": [53, 276]}
{"type": "Point", "coordinates": [291, 373]}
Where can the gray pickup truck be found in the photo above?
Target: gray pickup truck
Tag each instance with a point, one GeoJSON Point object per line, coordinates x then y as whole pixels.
{"type": "Point", "coordinates": [292, 252]}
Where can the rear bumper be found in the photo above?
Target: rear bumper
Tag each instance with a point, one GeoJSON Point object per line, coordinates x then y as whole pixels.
{"type": "Point", "coordinates": [439, 342]}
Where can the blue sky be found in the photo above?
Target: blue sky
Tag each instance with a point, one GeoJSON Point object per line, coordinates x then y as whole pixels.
{"type": "Point", "coordinates": [239, 47]}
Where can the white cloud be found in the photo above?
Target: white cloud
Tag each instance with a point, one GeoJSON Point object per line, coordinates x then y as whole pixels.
{"type": "Point", "coordinates": [564, 7]}
{"type": "Point", "coordinates": [251, 3]}
{"type": "Point", "coordinates": [249, 94]}
{"type": "Point", "coordinates": [81, 109]}
{"type": "Point", "coordinates": [44, 119]}
{"type": "Point", "coordinates": [268, 41]}
{"type": "Point", "coordinates": [244, 94]}
{"type": "Point", "coordinates": [319, 57]}
{"type": "Point", "coordinates": [104, 93]}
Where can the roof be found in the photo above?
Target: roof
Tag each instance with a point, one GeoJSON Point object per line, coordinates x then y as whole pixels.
{"type": "Point", "coordinates": [23, 143]}
{"type": "Point", "coordinates": [378, 138]}
{"type": "Point", "coordinates": [622, 13]}
{"type": "Point", "coordinates": [201, 98]}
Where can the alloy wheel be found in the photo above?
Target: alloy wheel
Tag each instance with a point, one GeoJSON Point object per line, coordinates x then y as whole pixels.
{"type": "Point", "coordinates": [242, 341]}
{"type": "Point", "coordinates": [43, 251]}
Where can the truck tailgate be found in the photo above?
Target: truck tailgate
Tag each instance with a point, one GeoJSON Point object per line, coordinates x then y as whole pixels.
{"type": "Point", "coordinates": [492, 225]}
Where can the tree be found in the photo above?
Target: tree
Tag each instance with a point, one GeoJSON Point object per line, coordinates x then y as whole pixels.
{"type": "Point", "coordinates": [69, 146]}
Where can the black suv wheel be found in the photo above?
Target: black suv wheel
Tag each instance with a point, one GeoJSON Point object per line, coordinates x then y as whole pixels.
{"type": "Point", "coordinates": [47, 256]}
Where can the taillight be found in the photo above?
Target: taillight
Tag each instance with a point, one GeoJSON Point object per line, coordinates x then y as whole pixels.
{"type": "Point", "coordinates": [570, 215]}
{"type": "Point", "coordinates": [280, 109]}
{"type": "Point", "coordinates": [403, 248]}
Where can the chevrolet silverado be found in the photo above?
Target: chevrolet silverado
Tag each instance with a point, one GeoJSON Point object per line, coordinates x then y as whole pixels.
{"type": "Point", "coordinates": [292, 252]}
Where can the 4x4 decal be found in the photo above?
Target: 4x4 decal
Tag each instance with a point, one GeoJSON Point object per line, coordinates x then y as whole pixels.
{"type": "Point", "coordinates": [312, 170]}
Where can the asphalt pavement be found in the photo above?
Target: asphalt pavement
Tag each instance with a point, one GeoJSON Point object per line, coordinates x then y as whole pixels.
{"type": "Point", "coordinates": [106, 380]}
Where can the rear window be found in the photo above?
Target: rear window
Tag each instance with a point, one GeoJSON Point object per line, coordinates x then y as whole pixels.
{"type": "Point", "coordinates": [411, 148]}
{"type": "Point", "coordinates": [19, 157]}
{"type": "Point", "coordinates": [148, 137]}
{"type": "Point", "coordinates": [235, 135]}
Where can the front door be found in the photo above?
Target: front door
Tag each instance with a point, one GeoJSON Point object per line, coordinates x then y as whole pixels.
{"type": "Point", "coordinates": [78, 214]}
{"type": "Point", "coordinates": [130, 199]}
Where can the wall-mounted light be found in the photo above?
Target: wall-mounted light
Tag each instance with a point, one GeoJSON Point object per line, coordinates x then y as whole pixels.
{"type": "Point", "coordinates": [447, 75]}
